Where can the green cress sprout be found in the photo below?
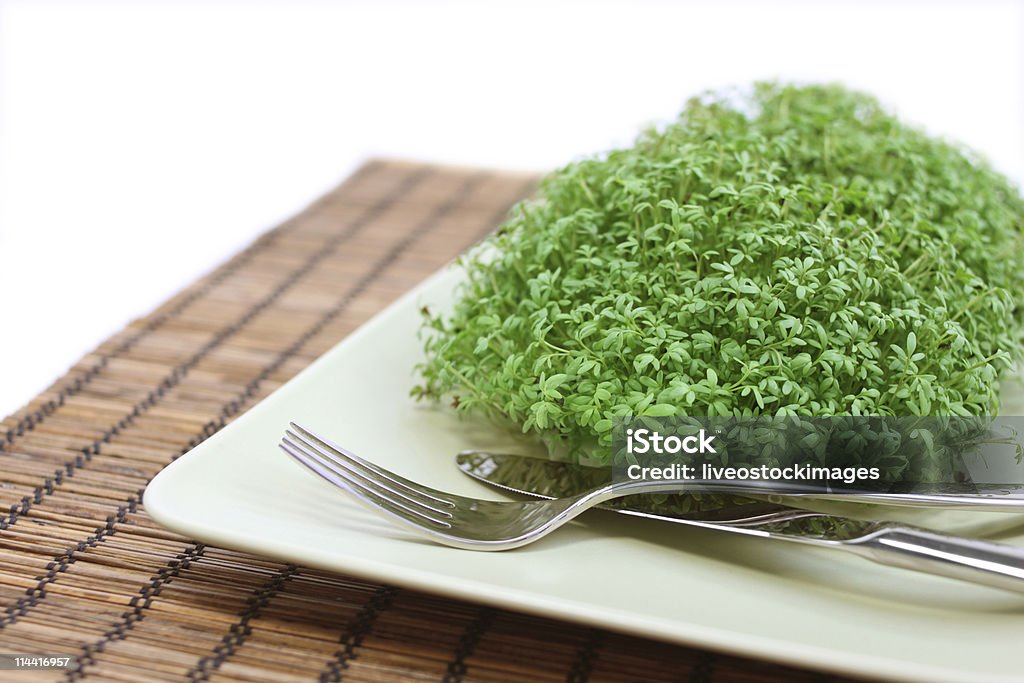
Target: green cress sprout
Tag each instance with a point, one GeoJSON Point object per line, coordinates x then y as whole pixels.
{"type": "Point", "coordinates": [798, 251]}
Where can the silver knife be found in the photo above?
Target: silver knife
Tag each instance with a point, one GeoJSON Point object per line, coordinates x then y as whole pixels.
{"type": "Point", "coordinates": [889, 543]}
{"type": "Point", "coordinates": [551, 479]}
{"type": "Point", "coordinates": [554, 479]}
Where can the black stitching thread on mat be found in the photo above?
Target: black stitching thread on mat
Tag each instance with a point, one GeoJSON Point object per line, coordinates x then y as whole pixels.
{"type": "Point", "coordinates": [240, 630]}
{"type": "Point", "coordinates": [119, 630]}
{"type": "Point", "coordinates": [356, 631]}
{"type": "Point", "coordinates": [704, 668]}
{"type": "Point", "coordinates": [61, 562]}
{"type": "Point", "coordinates": [32, 420]}
{"type": "Point", "coordinates": [474, 630]}
{"type": "Point", "coordinates": [180, 371]}
{"type": "Point", "coordinates": [583, 663]}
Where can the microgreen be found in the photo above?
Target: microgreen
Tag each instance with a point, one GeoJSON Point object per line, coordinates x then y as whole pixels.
{"type": "Point", "coordinates": [800, 253]}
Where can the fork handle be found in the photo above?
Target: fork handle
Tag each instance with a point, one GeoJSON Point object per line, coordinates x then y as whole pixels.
{"type": "Point", "coordinates": [983, 562]}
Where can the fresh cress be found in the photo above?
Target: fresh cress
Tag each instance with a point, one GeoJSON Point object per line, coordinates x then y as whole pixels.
{"type": "Point", "coordinates": [798, 251]}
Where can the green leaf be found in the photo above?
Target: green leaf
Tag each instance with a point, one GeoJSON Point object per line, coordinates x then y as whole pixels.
{"type": "Point", "coordinates": [660, 410]}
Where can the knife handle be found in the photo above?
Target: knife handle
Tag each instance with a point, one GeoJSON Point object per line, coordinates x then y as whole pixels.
{"type": "Point", "coordinates": [983, 562]}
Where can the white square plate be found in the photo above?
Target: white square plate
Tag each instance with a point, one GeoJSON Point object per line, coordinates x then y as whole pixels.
{"type": "Point", "coordinates": [804, 606]}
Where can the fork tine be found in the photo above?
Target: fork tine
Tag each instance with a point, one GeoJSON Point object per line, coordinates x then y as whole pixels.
{"type": "Point", "coordinates": [361, 479]}
{"type": "Point", "coordinates": [411, 489]}
{"type": "Point", "coordinates": [344, 467]}
{"type": "Point", "coordinates": [365, 495]}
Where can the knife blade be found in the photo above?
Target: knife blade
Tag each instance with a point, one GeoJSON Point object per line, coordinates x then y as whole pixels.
{"type": "Point", "coordinates": [555, 479]}
{"type": "Point", "coordinates": [552, 479]}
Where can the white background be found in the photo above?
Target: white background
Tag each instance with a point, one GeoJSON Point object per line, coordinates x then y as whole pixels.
{"type": "Point", "coordinates": [142, 143]}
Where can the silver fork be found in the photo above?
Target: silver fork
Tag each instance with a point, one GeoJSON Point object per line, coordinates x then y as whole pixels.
{"type": "Point", "coordinates": [476, 524]}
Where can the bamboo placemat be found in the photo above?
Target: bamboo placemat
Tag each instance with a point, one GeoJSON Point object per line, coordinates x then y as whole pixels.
{"type": "Point", "coordinates": [84, 571]}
